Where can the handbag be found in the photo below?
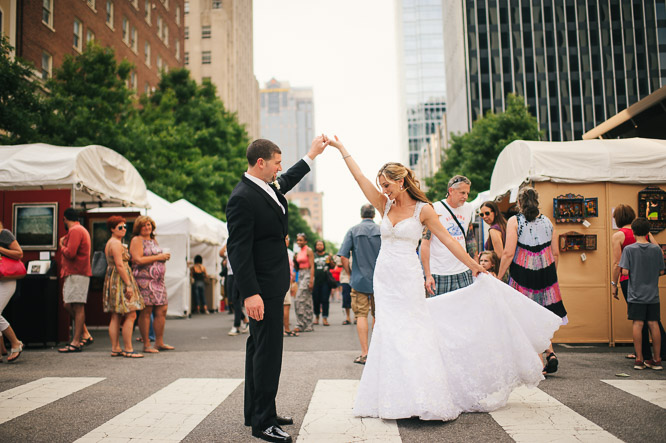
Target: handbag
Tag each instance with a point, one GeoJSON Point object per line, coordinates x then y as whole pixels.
{"type": "Point", "coordinates": [99, 264]}
{"type": "Point", "coordinates": [11, 269]}
{"type": "Point", "coordinates": [470, 240]}
{"type": "Point", "coordinates": [332, 282]}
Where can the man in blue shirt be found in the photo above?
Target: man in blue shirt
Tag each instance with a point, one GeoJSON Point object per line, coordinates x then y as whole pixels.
{"type": "Point", "coordinates": [363, 242]}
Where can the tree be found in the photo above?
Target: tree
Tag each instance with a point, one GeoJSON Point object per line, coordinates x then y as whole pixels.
{"type": "Point", "coordinates": [297, 225]}
{"type": "Point", "coordinates": [474, 154]}
{"type": "Point", "coordinates": [21, 104]}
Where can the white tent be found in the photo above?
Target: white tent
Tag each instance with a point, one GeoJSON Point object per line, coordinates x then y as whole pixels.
{"type": "Point", "coordinates": [94, 173]}
{"type": "Point", "coordinates": [633, 160]}
{"type": "Point", "coordinates": [212, 233]}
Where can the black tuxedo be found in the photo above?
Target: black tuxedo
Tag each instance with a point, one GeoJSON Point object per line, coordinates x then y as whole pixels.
{"type": "Point", "coordinates": [258, 256]}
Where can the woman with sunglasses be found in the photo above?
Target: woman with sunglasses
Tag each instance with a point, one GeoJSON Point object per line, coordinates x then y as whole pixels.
{"type": "Point", "coordinates": [491, 214]}
{"type": "Point", "coordinates": [121, 295]}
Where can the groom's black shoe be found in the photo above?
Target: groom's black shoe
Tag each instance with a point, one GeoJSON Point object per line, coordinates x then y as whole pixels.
{"type": "Point", "coordinates": [272, 433]}
{"type": "Point", "coordinates": [280, 420]}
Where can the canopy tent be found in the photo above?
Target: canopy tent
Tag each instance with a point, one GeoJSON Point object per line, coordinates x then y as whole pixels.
{"type": "Point", "coordinates": [95, 173]}
{"type": "Point", "coordinates": [632, 161]}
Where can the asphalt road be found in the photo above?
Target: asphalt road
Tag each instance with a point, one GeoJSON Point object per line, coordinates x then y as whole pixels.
{"type": "Point", "coordinates": [204, 350]}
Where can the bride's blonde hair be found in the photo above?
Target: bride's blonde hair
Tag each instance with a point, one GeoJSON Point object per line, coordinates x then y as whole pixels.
{"type": "Point", "coordinates": [393, 172]}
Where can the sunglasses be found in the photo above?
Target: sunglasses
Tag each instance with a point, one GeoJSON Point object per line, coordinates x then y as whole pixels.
{"type": "Point", "coordinates": [121, 227]}
{"type": "Point", "coordinates": [487, 213]}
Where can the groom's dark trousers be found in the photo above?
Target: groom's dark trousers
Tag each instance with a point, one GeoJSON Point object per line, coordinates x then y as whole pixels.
{"type": "Point", "coordinates": [258, 255]}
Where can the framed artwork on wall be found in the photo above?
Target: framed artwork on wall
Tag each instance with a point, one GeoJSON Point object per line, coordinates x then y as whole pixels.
{"type": "Point", "coordinates": [574, 208]}
{"type": "Point", "coordinates": [652, 205]}
{"type": "Point", "coordinates": [575, 241]}
{"type": "Point", "coordinates": [35, 225]}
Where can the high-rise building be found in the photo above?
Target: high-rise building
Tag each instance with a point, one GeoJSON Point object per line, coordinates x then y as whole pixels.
{"type": "Point", "coordinates": [576, 62]}
{"type": "Point", "coordinates": [423, 68]}
{"type": "Point", "coordinates": [219, 48]}
{"type": "Point", "coordinates": [8, 11]}
{"type": "Point", "coordinates": [148, 33]}
{"type": "Point", "coordinates": [287, 119]}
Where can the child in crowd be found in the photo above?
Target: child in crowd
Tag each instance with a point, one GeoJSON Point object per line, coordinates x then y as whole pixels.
{"type": "Point", "coordinates": [643, 262]}
{"type": "Point", "coordinates": [490, 262]}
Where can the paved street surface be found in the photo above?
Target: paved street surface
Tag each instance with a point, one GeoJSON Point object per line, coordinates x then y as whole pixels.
{"type": "Point", "coordinates": [195, 394]}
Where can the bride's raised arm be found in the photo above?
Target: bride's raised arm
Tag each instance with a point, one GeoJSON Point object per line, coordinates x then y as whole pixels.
{"type": "Point", "coordinates": [376, 198]}
{"type": "Point", "coordinates": [431, 220]}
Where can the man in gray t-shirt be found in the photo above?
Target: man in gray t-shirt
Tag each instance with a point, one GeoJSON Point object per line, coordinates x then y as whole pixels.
{"type": "Point", "coordinates": [643, 262]}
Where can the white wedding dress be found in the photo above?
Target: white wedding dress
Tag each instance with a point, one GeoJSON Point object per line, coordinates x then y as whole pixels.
{"type": "Point", "coordinates": [434, 358]}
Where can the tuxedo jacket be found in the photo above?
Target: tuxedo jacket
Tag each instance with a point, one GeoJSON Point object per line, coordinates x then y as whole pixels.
{"type": "Point", "coordinates": [257, 230]}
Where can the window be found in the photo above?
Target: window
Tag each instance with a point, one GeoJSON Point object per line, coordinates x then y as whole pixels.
{"type": "Point", "coordinates": [187, 32]}
{"type": "Point", "coordinates": [159, 62]}
{"type": "Point", "coordinates": [187, 7]}
{"type": "Point", "coordinates": [178, 15]}
{"type": "Point", "coordinates": [146, 88]}
{"type": "Point", "coordinates": [109, 13]}
{"type": "Point", "coordinates": [91, 4]}
{"type": "Point", "coordinates": [165, 3]}
{"type": "Point", "coordinates": [90, 36]}
{"type": "Point", "coordinates": [159, 26]}
{"type": "Point", "coordinates": [131, 80]}
{"type": "Point", "coordinates": [178, 50]}
{"type": "Point", "coordinates": [165, 34]}
{"type": "Point", "coordinates": [133, 42]}
{"type": "Point", "coordinates": [205, 58]}
{"type": "Point", "coordinates": [78, 27]}
{"type": "Point", "coordinates": [146, 53]}
{"type": "Point", "coordinates": [47, 13]}
{"type": "Point", "coordinates": [205, 31]}
{"type": "Point", "coordinates": [125, 30]}
{"type": "Point", "coordinates": [187, 58]}
{"type": "Point", "coordinates": [47, 65]}
{"type": "Point", "coordinates": [147, 9]}
{"type": "Point", "coordinates": [217, 4]}
{"type": "Point", "coordinates": [135, 3]}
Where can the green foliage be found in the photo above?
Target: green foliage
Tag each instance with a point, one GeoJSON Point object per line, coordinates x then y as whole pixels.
{"type": "Point", "coordinates": [474, 154]}
{"type": "Point", "coordinates": [21, 105]}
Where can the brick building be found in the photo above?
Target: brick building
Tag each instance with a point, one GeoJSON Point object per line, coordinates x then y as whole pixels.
{"type": "Point", "coordinates": [148, 33]}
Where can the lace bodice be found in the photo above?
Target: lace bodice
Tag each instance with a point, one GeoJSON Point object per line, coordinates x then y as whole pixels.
{"type": "Point", "coordinates": [406, 232]}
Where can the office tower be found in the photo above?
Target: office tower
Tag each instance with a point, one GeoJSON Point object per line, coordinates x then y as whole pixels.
{"type": "Point", "coordinates": [576, 62]}
{"type": "Point", "coordinates": [287, 119]}
{"type": "Point", "coordinates": [423, 67]}
{"type": "Point", "coordinates": [219, 48]}
{"type": "Point", "coordinates": [148, 33]}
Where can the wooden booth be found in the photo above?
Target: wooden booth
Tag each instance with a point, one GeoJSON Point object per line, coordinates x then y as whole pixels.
{"type": "Point", "coordinates": [37, 183]}
{"type": "Point", "coordinates": [579, 185]}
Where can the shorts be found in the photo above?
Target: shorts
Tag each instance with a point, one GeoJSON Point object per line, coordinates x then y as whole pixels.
{"type": "Point", "coordinates": [449, 283]}
{"type": "Point", "coordinates": [287, 298]}
{"type": "Point", "coordinates": [362, 303]}
{"type": "Point", "coordinates": [643, 312]}
{"type": "Point", "coordinates": [75, 289]}
{"type": "Point", "coordinates": [346, 295]}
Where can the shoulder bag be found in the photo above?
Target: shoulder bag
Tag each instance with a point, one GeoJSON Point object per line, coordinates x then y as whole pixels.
{"type": "Point", "coordinates": [470, 241]}
{"type": "Point", "coordinates": [99, 264]}
{"type": "Point", "coordinates": [11, 269]}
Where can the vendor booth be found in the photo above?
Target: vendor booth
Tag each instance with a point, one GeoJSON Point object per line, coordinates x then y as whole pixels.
{"type": "Point", "coordinates": [579, 184]}
{"type": "Point", "coordinates": [37, 183]}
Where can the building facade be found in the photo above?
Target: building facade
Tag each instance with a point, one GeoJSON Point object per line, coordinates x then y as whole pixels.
{"type": "Point", "coordinates": [576, 62]}
{"type": "Point", "coordinates": [310, 206]}
{"type": "Point", "coordinates": [287, 119]}
{"type": "Point", "coordinates": [148, 33]}
{"type": "Point", "coordinates": [424, 74]}
{"type": "Point", "coordinates": [219, 48]}
{"type": "Point", "coordinates": [8, 11]}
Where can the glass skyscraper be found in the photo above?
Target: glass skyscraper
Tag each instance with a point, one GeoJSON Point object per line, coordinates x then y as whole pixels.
{"type": "Point", "coordinates": [423, 62]}
{"type": "Point", "coordinates": [576, 62]}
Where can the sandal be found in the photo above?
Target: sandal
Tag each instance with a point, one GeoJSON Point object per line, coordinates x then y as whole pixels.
{"type": "Point", "coordinates": [69, 348]}
{"type": "Point", "coordinates": [15, 351]}
{"type": "Point", "coordinates": [292, 333]}
{"type": "Point", "coordinates": [87, 341]}
{"type": "Point", "coordinates": [132, 354]}
{"type": "Point", "coordinates": [326, 323]}
{"type": "Point", "coordinates": [346, 322]}
{"type": "Point", "coordinates": [150, 351]}
{"type": "Point", "coordinates": [361, 359]}
{"type": "Point", "coordinates": [166, 347]}
{"type": "Point", "coordinates": [296, 330]}
{"type": "Point", "coordinates": [630, 356]}
{"type": "Point", "coordinates": [117, 354]}
{"type": "Point", "coordinates": [551, 363]}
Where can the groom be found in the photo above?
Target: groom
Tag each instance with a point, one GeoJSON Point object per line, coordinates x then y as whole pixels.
{"type": "Point", "coordinates": [257, 222]}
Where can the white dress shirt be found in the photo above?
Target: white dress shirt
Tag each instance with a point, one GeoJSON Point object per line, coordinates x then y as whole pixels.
{"type": "Point", "coordinates": [270, 191]}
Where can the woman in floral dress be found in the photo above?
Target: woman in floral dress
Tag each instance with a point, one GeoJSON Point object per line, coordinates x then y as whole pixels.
{"type": "Point", "coordinates": [121, 295]}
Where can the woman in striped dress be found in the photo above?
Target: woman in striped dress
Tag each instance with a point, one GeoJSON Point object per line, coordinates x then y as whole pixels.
{"type": "Point", "coordinates": [531, 258]}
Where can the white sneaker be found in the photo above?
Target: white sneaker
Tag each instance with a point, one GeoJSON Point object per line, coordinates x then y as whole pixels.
{"type": "Point", "coordinates": [234, 331]}
{"type": "Point", "coordinates": [244, 329]}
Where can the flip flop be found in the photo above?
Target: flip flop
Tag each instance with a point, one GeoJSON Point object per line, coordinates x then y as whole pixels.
{"type": "Point", "coordinates": [361, 359]}
{"type": "Point", "coordinates": [132, 354]}
{"type": "Point", "coordinates": [166, 347]}
{"type": "Point", "coordinates": [70, 348]}
{"type": "Point", "coordinates": [87, 341]}
{"type": "Point", "coordinates": [150, 351]}
{"type": "Point", "coordinates": [117, 354]}
{"type": "Point", "coordinates": [346, 322]}
{"type": "Point", "coordinates": [14, 351]}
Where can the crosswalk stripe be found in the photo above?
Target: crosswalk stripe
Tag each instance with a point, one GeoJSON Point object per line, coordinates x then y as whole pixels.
{"type": "Point", "coordinates": [532, 415]}
{"type": "Point", "coordinates": [653, 391]}
{"type": "Point", "coordinates": [330, 419]}
{"type": "Point", "coordinates": [169, 414]}
{"type": "Point", "coordinates": [30, 396]}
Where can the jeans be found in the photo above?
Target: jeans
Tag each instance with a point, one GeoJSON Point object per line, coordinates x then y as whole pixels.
{"type": "Point", "coordinates": [320, 295]}
{"type": "Point", "coordinates": [199, 297]}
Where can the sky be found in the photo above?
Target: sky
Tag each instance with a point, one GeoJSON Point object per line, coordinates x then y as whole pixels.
{"type": "Point", "coordinates": [345, 50]}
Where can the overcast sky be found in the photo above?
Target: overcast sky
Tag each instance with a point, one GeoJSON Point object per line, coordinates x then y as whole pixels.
{"type": "Point", "coordinates": [346, 51]}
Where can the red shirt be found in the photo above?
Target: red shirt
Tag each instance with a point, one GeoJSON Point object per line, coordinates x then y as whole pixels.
{"type": "Point", "coordinates": [76, 252]}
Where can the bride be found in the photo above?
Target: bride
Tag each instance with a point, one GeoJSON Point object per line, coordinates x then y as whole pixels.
{"type": "Point", "coordinates": [435, 358]}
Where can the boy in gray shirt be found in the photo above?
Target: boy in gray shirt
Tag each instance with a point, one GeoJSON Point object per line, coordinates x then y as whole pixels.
{"type": "Point", "coordinates": [643, 262]}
